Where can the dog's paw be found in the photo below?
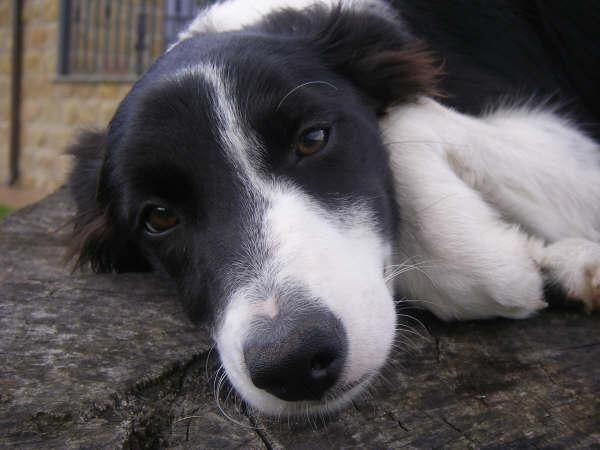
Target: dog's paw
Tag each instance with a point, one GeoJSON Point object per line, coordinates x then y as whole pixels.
{"type": "Point", "coordinates": [575, 265]}
{"type": "Point", "coordinates": [521, 293]}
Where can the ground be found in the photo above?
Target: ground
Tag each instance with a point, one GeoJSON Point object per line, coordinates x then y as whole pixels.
{"type": "Point", "coordinates": [12, 198]}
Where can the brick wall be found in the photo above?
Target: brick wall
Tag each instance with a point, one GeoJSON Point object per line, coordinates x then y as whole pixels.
{"type": "Point", "coordinates": [53, 111]}
{"type": "Point", "coordinates": [54, 108]}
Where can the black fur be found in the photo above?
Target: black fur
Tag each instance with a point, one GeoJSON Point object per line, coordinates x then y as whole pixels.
{"type": "Point", "coordinates": [510, 50]}
{"type": "Point", "coordinates": [97, 239]}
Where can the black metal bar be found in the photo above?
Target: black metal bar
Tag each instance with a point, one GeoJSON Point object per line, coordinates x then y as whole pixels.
{"type": "Point", "coordinates": [160, 38]}
{"type": "Point", "coordinates": [96, 36]}
{"type": "Point", "coordinates": [73, 33]}
{"type": "Point", "coordinates": [117, 47]}
{"type": "Point", "coordinates": [129, 33]}
{"type": "Point", "coordinates": [111, 37]}
{"type": "Point", "coordinates": [165, 23]}
{"type": "Point", "coordinates": [75, 36]}
{"type": "Point", "coordinates": [16, 91]}
{"type": "Point", "coordinates": [152, 39]}
{"type": "Point", "coordinates": [64, 37]}
{"type": "Point", "coordinates": [86, 33]}
{"type": "Point", "coordinates": [107, 32]}
{"type": "Point", "coordinates": [140, 46]}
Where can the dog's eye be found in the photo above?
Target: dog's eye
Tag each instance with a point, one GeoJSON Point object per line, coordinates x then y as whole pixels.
{"type": "Point", "coordinates": [312, 141]}
{"type": "Point", "coordinates": [159, 220]}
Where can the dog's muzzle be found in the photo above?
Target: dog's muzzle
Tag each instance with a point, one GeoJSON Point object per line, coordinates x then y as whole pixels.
{"type": "Point", "coordinates": [297, 356]}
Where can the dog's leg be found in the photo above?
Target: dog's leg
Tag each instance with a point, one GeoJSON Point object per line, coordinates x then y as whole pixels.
{"type": "Point", "coordinates": [469, 262]}
{"type": "Point", "coordinates": [529, 168]}
{"type": "Point", "coordinates": [541, 172]}
{"type": "Point", "coordinates": [535, 168]}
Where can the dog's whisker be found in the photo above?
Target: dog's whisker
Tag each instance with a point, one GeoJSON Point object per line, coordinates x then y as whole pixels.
{"type": "Point", "coordinates": [409, 261]}
{"type": "Point", "coordinates": [227, 397]}
{"type": "Point", "coordinates": [416, 141]}
{"type": "Point", "coordinates": [207, 361]}
{"type": "Point", "coordinates": [400, 271]}
{"type": "Point", "coordinates": [405, 347]}
{"type": "Point", "coordinates": [413, 301]}
{"type": "Point", "coordinates": [405, 266]}
{"type": "Point", "coordinates": [406, 329]}
{"type": "Point", "coordinates": [410, 339]}
{"type": "Point", "coordinates": [216, 376]}
{"type": "Point", "coordinates": [409, 307]}
{"type": "Point", "coordinates": [393, 270]}
{"type": "Point", "coordinates": [222, 410]}
{"type": "Point", "coordinates": [419, 322]}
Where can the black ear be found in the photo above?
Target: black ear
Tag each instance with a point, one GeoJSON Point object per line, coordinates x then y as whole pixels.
{"type": "Point", "coordinates": [96, 239]}
{"type": "Point", "coordinates": [378, 56]}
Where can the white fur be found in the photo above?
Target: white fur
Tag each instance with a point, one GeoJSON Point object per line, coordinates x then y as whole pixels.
{"type": "Point", "coordinates": [336, 256]}
{"type": "Point", "coordinates": [480, 200]}
{"type": "Point", "coordinates": [237, 14]}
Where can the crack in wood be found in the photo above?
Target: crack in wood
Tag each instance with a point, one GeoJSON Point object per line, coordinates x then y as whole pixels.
{"type": "Point", "coordinates": [579, 347]}
{"type": "Point", "coordinates": [457, 429]}
{"type": "Point", "coordinates": [260, 433]}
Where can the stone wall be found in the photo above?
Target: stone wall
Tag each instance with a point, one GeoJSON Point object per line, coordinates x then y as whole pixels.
{"type": "Point", "coordinates": [53, 108]}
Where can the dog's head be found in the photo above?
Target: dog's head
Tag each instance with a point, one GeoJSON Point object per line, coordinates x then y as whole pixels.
{"type": "Point", "coordinates": [249, 166]}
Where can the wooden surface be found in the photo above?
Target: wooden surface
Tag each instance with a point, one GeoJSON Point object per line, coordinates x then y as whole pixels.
{"type": "Point", "coordinates": [111, 361]}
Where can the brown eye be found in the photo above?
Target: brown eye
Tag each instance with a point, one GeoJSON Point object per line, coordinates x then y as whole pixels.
{"type": "Point", "coordinates": [312, 141]}
{"type": "Point", "coordinates": [160, 220]}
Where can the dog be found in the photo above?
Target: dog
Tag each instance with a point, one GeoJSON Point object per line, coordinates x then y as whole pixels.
{"type": "Point", "coordinates": [296, 166]}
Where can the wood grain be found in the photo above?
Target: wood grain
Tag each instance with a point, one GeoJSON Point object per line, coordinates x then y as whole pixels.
{"type": "Point", "coordinates": [111, 361]}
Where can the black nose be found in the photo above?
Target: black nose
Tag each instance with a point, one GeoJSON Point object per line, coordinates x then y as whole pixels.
{"type": "Point", "coordinates": [296, 358]}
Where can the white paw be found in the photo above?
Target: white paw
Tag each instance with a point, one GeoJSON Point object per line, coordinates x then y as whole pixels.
{"type": "Point", "coordinates": [575, 264]}
{"type": "Point", "coordinates": [520, 293]}
{"type": "Point", "coordinates": [499, 283]}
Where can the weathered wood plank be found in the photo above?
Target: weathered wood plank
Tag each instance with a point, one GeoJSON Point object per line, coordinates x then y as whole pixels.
{"type": "Point", "coordinates": [84, 359]}
{"type": "Point", "coordinates": [89, 360]}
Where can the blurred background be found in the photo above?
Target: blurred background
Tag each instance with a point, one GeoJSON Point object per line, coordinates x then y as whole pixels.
{"type": "Point", "coordinates": [64, 66]}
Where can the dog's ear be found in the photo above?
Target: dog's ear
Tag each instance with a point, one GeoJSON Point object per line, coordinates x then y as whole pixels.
{"type": "Point", "coordinates": [95, 239]}
{"type": "Point", "coordinates": [377, 56]}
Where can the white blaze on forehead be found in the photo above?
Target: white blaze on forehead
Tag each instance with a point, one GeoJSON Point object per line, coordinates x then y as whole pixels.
{"type": "Point", "coordinates": [236, 137]}
{"type": "Point", "coordinates": [236, 14]}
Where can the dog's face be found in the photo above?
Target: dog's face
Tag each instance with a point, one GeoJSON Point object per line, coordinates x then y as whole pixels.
{"type": "Point", "coordinates": [249, 167]}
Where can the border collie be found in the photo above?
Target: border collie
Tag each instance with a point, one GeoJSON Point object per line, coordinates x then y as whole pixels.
{"type": "Point", "coordinates": [296, 165]}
